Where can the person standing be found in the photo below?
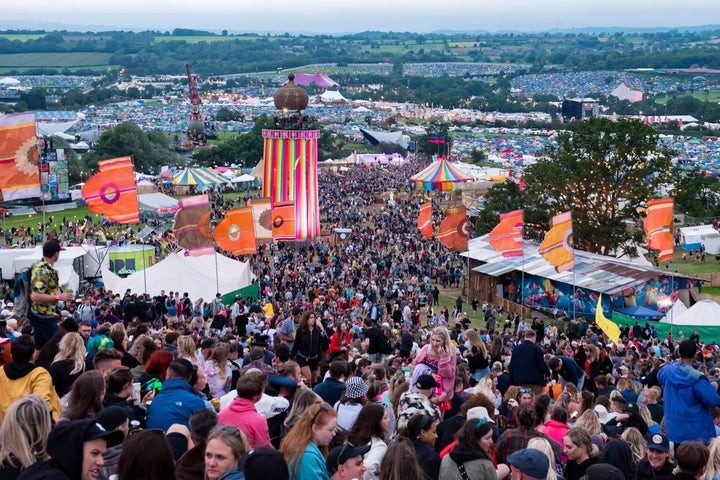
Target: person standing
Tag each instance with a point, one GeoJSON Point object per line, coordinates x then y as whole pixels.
{"type": "Point", "coordinates": [527, 365]}
{"type": "Point", "coordinates": [45, 294]}
{"type": "Point", "coordinates": [691, 396]}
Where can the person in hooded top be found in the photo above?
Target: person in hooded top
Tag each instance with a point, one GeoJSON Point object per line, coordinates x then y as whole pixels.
{"type": "Point", "coordinates": [470, 458]}
{"type": "Point", "coordinates": [617, 453]}
{"type": "Point", "coordinates": [76, 452]}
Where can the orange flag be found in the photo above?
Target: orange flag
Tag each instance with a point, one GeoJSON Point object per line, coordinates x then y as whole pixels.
{"type": "Point", "coordinates": [283, 225]}
{"type": "Point", "coordinates": [112, 191]}
{"type": "Point", "coordinates": [236, 233]}
{"type": "Point", "coordinates": [556, 248]}
{"type": "Point", "coordinates": [19, 173]}
{"type": "Point", "coordinates": [425, 220]}
{"type": "Point", "coordinates": [506, 237]}
{"type": "Point", "coordinates": [658, 227]}
{"type": "Point", "coordinates": [453, 231]}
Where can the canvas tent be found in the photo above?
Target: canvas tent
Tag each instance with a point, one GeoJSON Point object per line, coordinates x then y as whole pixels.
{"type": "Point", "coordinates": [87, 260]}
{"type": "Point", "coordinates": [153, 205]}
{"type": "Point", "coordinates": [376, 137]}
{"type": "Point", "coordinates": [319, 79]}
{"type": "Point", "coordinates": [180, 273]}
{"type": "Point", "coordinates": [704, 317]}
{"type": "Point", "coordinates": [692, 238]}
{"type": "Point", "coordinates": [331, 96]}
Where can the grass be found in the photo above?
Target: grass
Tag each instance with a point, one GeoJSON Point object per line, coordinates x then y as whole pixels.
{"type": "Point", "coordinates": [692, 266]}
{"type": "Point", "coordinates": [711, 291]}
{"type": "Point", "coordinates": [54, 60]}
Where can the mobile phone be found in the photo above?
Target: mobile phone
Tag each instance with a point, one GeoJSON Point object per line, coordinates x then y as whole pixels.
{"type": "Point", "coordinates": [136, 392]}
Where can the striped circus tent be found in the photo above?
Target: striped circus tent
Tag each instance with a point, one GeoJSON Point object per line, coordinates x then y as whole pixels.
{"type": "Point", "coordinates": [198, 176]}
{"type": "Point", "coordinates": [439, 175]}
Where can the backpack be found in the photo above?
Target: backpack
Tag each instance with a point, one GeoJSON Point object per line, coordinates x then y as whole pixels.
{"type": "Point", "coordinates": [22, 292]}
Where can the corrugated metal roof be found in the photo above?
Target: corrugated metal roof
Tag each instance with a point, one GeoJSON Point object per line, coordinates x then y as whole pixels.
{"type": "Point", "coordinates": [594, 272]}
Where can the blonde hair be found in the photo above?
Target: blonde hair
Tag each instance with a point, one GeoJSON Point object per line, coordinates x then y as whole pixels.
{"type": "Point", "coordinates": [447, 343]}
{"type": "Point", "coordinates": [476, 341]}
{"type": "Point", "coordinates": [581, 438]}
{"type": "Point", "coordinates": [72, 347]}
{"type": "Point", "coordinates": [646, 415]}
{"type": "Point", "coordinates": [713, 464]}
{"type": "Point", "coordinates": [541, 444]}
{"type": "Point", "coordinates": [636, 441]}
{"type": "Point", "coordinates": [589, 422]}
{"type": "Point", "coordinates": [24, 432]}
{"type": "Point", "coordinates": [187, 347]}
{"type": "Point", "coordinates": [485, 386]}
{"type": "Point", "coordinates": [232, 437]}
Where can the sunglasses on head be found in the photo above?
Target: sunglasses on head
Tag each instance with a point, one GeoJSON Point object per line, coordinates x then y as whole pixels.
{"type": "Point", "coordinates": [323, 407]}
{"type": "Point", "coordinates": [525, 390]}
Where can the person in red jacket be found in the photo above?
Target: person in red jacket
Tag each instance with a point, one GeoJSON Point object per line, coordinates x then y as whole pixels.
{"type": "Point", "coordinates": [340, 342]}
{"type": "Point", "coordinates": [241, 413]}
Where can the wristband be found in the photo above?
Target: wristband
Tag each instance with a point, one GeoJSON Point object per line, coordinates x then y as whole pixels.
{"type": "Point", "coordinates": [57, 298]}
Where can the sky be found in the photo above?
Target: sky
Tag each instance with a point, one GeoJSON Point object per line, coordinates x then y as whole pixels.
{"type": "Point", "coordinates": [338, 16]}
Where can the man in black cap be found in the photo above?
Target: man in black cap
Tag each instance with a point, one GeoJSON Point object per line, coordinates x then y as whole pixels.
{"type": "Point", "coordinates": [345, 462]}
{"type": "Point", "coordinates": [528, 463]}
{"type": "Point", "coordinates": [113, 418]}
{"type": "Point", "coordinates": [261, 342]}
{"type": "Point", "coordinates": [45, 294]}
{"type": "Point", "coordinates": [76, 451]}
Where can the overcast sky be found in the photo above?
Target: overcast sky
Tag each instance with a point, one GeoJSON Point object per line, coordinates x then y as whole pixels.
{"type": "Point", "coordinates": [338, 16]}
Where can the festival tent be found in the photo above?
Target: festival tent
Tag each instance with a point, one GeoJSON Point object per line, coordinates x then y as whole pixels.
{"type": "Point", "coordinates": [640, 311]}
{"type": "Point", "coordinates": [243, 179]}
{"type": "Point", "coordinates": [376, 137]}
{"type": "Point", "coordinates": [87, 259]}
{"type": "Point", "coordinates": [704, 317]}
{"type": "Point", "coordinates": [319, 79]}
{"type": "Point", "coordinates": [440, 175]}
{"type": "Point", "coordinates": [331, 96]}
{"type": "Point", "coordinates": [704, 312]}
{"type": "Point", "coordinates": [198, 176]}
{"type": "Point", "coordinates": [179, 273]}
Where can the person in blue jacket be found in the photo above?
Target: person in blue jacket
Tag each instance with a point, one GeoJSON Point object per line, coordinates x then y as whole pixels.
{"type": "Point", "coordinates": [527, 365]}
{"type": "Point", "coordinates": [177, 400]}
{"type": "Point", "coordinates": [568, 370]}
{"type": "Point", "coordinates": [688, 398]}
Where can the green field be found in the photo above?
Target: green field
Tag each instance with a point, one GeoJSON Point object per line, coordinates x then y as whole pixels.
{"type": "Point", "coordinates": [22, 37]}
{"type": "Point", "coordinates": [54, 60]}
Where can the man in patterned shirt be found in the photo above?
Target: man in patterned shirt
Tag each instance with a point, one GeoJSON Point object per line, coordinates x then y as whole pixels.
{"type": "Point", "coordinates": [44, 294]}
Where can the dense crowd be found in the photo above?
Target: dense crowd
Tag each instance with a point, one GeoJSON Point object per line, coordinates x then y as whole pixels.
{"type": "Point", "coordinates": [345, 366]}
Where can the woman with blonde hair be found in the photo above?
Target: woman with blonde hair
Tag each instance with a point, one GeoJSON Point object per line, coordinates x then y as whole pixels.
{"type": "Point", "coordinates": [541, 444]}
{"type": "Point", "coordinates": [712, 471]}
{"type": "Point", "coordinates": [306, 444]}
{"type": "Point", "coordinates": [653, 427]}
{"type": "Point", "coordinates": [23, 435]}
{"type": "Point", "coordinates": [187, 349]}
{"type": "Point", "coordinates": [487, 386]}
{"type": "Point", "coordinates": [476, 355]}
{"type": "Point", "coordinates": [581, 453]}
{"type": "Point", "coordinates": [218, 371]}
{"type": "Point", "coordinates": [439, 358]}
{"type": "Point", "coordinates": [223, 448]}
{"type": "Point", "coordinates": [69, 363]}
{"type": "Point", "coordinates": [636, 441]}
{"type": "Point", "coordinates": [590, 422]}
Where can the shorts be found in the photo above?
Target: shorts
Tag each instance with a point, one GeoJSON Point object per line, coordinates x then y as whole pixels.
{"type": "Point", "coordinates": [44, 327]}
{"type": "Point", "coordinates": [312, 363]}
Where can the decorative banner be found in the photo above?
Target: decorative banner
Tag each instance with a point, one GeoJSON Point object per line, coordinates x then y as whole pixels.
{"type": "Point", "coordinates": [425, 220]}
{"type": "Point", "coordinates": [262, 218]}
{"type": "Point", "coordinates": [283, 224]}
{"type": "Point", "coordinates": [610, 328]}
{"type": "Point", "coordinates": [453, 231]}
{"type": "Point", "coordinates": [290, 174]}
{"type": "Point", "coordinates": [658, 227]}
{"type": "Point", "coordinates": [556, 247]}
{"type": "Point", "coordinates": [19, 175]}
{"type": "Point", "coordinates": [236, 233]}
{"type": "Point", "coordinates": [192, 227]}
{"type": "Point", "coordinates": [112, 191]}
{"type": "Point", "coordinates": [506, 237]}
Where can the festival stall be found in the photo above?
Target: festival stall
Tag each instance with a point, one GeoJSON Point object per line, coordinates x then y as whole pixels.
{"type": "Point", "coordinates": [156, 205]}
{"type": "Point", "coordinates": [128, 259]}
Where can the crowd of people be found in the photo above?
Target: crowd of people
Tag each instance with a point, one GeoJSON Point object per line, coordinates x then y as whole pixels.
{"type": "Point", "coordinates": [344, 367]}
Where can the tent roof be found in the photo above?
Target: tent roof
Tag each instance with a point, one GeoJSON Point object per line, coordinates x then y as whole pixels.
{"type": "Point", "coordinates": [440, 171]}
{"type": "Point", "coordinates": [376, 137]}
{"type": "Point", "coordinates": [319, 79]}
{"type": "Point", "coordinates": [153, 201]}
{"type": "Point", "coordinates": [49, 128]}
{"type": "Point", "coordinates": [640, 311]}
{"type": "Point", "coordinates": [332, 96]}
{"type": "Point", "coordinates": [198, 176]}
{"type": "Point", "coordinates": [704, 312]}
{"type": "Point", "coordinates": [195, 275]}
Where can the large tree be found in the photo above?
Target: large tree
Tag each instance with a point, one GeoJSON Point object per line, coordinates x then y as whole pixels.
{"type": "Point", "coordinates": [603, 172]}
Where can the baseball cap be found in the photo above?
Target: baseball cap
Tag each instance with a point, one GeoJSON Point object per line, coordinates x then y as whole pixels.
{"type": "Point", "coordinates": [658, 442]}
{"type": "Point", "coordinates": [355, 387]}
{"type": "Point", "coordinates": [265, 462]}
{"type": "Point", "coordinates": [96, 431]}
{"type": "Point", "coordinates": [426, 382]}
{"type": "Point", "coordinates": [51, 247]}
{"type": "Point", "coordinates": [531, 462]}
{"type": "Point", "coordinates": [631, 408]}
{"type": "Point", "coordinates": [342, 454]}
{"type": "Point", "coordinates": [111, 417]}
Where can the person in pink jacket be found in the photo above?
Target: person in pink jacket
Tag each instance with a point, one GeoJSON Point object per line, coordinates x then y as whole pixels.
{"type": "Point", "coordinates": [557, 427]}
{"type": "Point", "coordinates": [439, 358]}
{"type": "Point", "coordinates": [241, 412]}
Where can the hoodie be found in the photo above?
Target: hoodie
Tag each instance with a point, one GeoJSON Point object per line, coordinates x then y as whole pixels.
{"type": "Point", "coordinates": [474, 466]}
{"type": "Point", "coordinates": [20, 379]}
{"type": "Point", "coordinates": [65, 447]}
{"type": "Point", "coordinates": [691, 397]}
{"type": "Point", "coordinates": [242, 414]}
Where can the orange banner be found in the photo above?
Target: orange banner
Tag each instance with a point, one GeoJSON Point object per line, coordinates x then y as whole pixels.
{"type": "Point", "coordinates": [112, 191]}
{"type": "Point", "coordinates": [658, 227]}
{"type": "Point", "coordinates": [557, 248]}
{"type": "Point", "coordinates": [453, 231]}
{"type": "Point", "coordinates": [19, 173]}
{"type": "Point", "coordinates": [283, 225]}
{"type": "Point", "coordinates": [506, 237]}
{"type": "Point", "coordinates": [236, 233]}
{"type": "Point", "coordinates": [425, 220]}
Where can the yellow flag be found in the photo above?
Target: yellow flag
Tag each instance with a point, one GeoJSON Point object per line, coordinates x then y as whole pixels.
{"type": "Point", "coordinates": [611, 330]}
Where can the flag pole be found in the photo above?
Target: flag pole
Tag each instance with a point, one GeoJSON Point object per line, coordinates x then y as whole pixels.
{"type": "Point", "coordinates": [137, 196]}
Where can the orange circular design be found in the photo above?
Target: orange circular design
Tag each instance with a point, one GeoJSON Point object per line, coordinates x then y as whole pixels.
{"type": "Point", "coordinates": [204, 225]}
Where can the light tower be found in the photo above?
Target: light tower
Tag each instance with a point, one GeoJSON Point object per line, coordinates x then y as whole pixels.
{"type": "Point", "coordinates": [196, 127]}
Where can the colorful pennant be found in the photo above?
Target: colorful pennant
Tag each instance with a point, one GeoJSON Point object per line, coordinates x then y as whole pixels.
{"type": "Point", "coordinates": [192, 227]}
{"type": "Point", "coordinates": [112, 191]}
{"type": "Point", "coordinates": [236, 233]}
{"type": "Point", "coordinates": [556, 248]}
{"type": "Point", "coordinates": [453, 231]}
{"type": "Point", "coordinates": [19, 173]}
{"type": "Point", "coordinates": [283, 221]}
{"type": "Point", "coordinates": [658, 227]}
{"type": "Point", "coordinates": [506, 237]}
{"type": "Point", "coordinates": [425, 220]}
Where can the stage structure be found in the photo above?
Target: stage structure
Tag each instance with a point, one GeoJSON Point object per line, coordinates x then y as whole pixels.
{"type": "Point", "coordinates": [290, 156]}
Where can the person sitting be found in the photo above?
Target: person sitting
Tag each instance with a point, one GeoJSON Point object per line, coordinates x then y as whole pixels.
{"type": "Point", "coordinates": [191, 465]}
{"type": "Point", "coordinates": [177, 400]}
{"type": "Point", "coordinates": [332, 388]}
{"type": "Point", "coordinates": [241, 412]}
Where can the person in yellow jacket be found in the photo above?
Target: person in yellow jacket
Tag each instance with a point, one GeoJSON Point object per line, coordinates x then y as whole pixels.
{"type": "Point", "coordinates": [22, 377]}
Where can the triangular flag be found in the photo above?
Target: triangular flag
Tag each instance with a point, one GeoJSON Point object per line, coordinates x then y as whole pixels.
{"type": "Point", "coordinates": [19, 173]}
{"type": "Point", "coordinates": [236, 233]}
{"type": "Point", "coordinates": [506, 237]}
{"type": "Point", "coordinates": [192, 227]}
{"type": "Point", "coordinates": [453, 231]}
{"type": "Point", "coordinates": [658, 227]}
{"type": "Point", "coordinates": [283, 221]}
{"type": "Point", "coordinates": [112, 191]}
{"type": "Point", "coordinates": [609, 327]}
{"type": "Point", "coordinates": [425, 220]}
{"type": "Point", "coordinates": [556, 247]}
